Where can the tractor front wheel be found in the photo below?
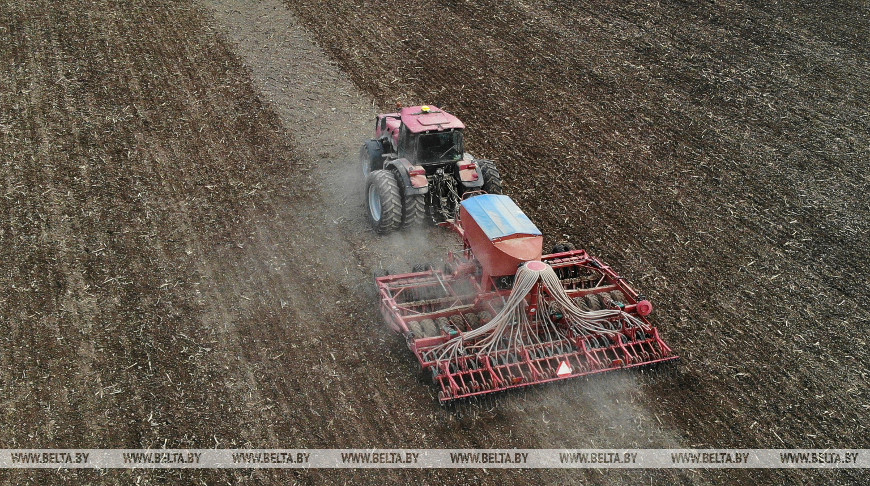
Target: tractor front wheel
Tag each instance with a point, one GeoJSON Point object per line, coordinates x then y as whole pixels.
{"type": "Point", "coordinates": [383, 201]}
{"type": "Point", "coordinates": [371, 157]}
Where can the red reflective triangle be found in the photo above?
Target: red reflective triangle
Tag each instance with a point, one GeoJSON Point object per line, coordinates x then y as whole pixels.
{"type": "Point", "coordinates": [564, 369]}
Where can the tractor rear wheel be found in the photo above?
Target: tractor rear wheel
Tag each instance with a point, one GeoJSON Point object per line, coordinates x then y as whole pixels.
{"type": "Point", "coordinates": [491, 176]}
{"type": "Point", "coordinates": [383, 201]}
{"type": "Point", "coordinates": [413, 209]}
{"type": "Point", "coordinates": [370, 157]}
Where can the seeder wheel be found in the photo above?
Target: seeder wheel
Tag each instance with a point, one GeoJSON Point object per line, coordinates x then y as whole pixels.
{"type": "Point", "coordinates": [579, 302]}
{"type": "Point", "coordinates": [472, 319]}
{"type": "Point", "coordinates": [457, 322]}
{"type": "Point", "coordinates": [618, 296]}
{"type": "Point", "coordinates": [563, 246]}
{"type": "Point", "coordinates": [429, 328]}
{"type": "Point", "coordinates": [415, 328]}
{"type": "Point", "coordinates": [421, 267]}
{"type": "Point", "coordinates": [592, 302]}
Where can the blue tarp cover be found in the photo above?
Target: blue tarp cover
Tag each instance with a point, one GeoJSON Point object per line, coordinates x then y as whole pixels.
{"type": "Point", "coordinates": [499, 216]}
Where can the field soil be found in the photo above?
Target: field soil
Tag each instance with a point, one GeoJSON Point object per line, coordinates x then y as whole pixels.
{"type": "Point", "coordinates": [185, 260]}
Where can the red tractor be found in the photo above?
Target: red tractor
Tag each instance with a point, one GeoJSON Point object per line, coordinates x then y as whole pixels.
{"type": "Point", "coordinates": [416, 169]}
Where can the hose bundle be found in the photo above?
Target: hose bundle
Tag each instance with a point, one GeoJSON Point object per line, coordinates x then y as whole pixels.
{"type": "Point", "coordinates": [512, 328]}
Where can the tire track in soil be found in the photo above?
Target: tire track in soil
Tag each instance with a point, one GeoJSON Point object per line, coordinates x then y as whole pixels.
{"type": "Point", "coordinates": [358, 367]}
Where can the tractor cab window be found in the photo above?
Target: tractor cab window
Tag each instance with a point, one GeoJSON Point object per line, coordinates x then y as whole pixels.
{"type": "Point", "coordinates": [440, 146]}
{"type": "Point", "coordinates": [406, 142]}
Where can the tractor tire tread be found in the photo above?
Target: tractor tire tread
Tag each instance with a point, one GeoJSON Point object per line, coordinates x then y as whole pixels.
{"type": "Point", "coordinates": [391, 203]}
{"type": "Point", "coordinates": [492, 183]}
{"type": "Point", "coordinates": [413, 210]}
{"type": "Point", "coordinates": [370, 157]}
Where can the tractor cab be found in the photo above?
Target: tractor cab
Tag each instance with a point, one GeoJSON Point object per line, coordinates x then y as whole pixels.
{"type": "Point", "coordinates": [423, 135]}
{"type": "Point", "coordinates": [431, 147]}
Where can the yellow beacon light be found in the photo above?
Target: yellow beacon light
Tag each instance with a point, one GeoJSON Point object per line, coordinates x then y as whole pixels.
{"type": "Point", "coordinates": [424, 109]}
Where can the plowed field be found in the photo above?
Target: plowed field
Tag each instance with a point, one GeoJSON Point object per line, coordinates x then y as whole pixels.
{"type": "Point", "coordinates": [185, 262]}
